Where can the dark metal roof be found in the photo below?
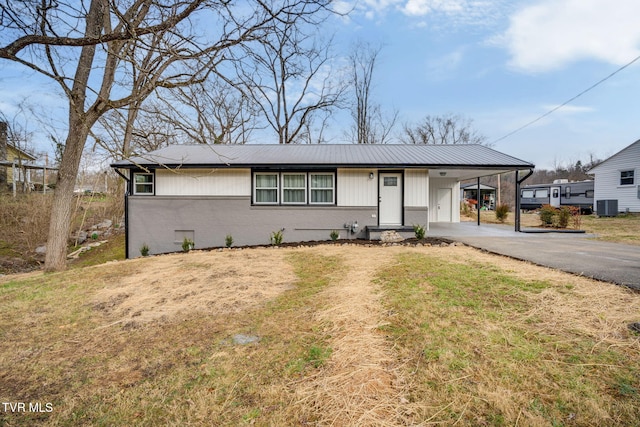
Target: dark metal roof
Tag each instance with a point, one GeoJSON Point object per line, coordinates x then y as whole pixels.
{"type": "Point", "coordinates": [326, 155]}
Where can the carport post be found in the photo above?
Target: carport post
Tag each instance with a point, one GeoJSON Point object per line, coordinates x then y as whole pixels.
{"type": "Point", "coordinates": [478, 204]}
{"type": "Point", "coordinates": [518, 182]}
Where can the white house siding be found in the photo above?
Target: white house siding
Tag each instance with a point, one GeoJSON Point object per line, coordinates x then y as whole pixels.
{"type": "Point", "coordinates": [203, 182]}
{"type": "Point", "coordinates": [416, 188]}
{"type": "Point", "coordinates": [355, 188]}
{"type": "Point", "coordinates": [607, 179]}
{"type": "Point", "coordinates": [440, 183]}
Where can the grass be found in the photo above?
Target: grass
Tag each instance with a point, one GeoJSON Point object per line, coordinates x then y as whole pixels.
{"type": "Point", "coordinates": [472, 343]}
{"type": "Point", "coordinates": [480, 353]}
{"type": "Point", "coordinates": [624, 228]}
{"type": "Point", "coordinates": [182, 372]}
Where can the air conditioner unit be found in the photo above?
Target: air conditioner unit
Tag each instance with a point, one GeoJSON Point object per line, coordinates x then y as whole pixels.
{"type": "Point", "coordinates": [607, 207]}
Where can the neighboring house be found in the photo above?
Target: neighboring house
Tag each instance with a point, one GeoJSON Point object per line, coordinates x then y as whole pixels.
{"type": "Point", "coordinates": [618, 178]}
{"type": "Point", "coordinates": [206, 192]}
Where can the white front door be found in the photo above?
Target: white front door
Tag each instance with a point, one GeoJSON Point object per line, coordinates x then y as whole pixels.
{"type": "Point", "coordinates": [390, 199]}
{"type": "Point", "coordinates": [444, 205]}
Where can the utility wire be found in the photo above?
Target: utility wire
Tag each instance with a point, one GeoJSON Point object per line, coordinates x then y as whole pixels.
{"type": "Point", "coordinates": [567, 102]}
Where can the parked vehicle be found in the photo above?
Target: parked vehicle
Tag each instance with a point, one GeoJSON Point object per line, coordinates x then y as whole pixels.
{"type": "Point", "coordinates": [560, 193]}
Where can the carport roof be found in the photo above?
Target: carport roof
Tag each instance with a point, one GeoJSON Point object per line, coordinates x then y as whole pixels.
{"type": "Point", "coordinates": [387, 156]}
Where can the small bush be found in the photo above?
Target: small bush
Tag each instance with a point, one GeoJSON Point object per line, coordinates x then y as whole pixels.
{"type": "Point", "coordinates": [144, 250]}
{"type": "Point", "coordinates": [502, 212]}
{"type": "Point", "coordinates": [419, 231]}
{"type": "Point", "coordinates": [547, 213]}
{"type": "Point", "coordinates": [335, 235]}
{"type": "Point", "coordinates": [187, 244]}
{"type": "Point", "coordinates": [228, 241]}
{"type": "Point", "coordinates": [276, 238]}
{"type": "Point", "coordinates": [576, 217]}
{"type": "Point", "coordinates": [564, 213]}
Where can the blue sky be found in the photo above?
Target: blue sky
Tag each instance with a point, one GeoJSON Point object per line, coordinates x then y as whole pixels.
{"type": "Point", "coordinates": [501, 63]}
{"type": "Point", "coordinates": [504, 63]}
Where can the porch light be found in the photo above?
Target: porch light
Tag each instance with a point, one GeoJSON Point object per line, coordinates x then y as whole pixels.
{"type": "Point", "coordinates": [370, 175]}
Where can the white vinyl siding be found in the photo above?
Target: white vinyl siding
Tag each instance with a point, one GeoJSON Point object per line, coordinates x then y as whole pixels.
{"type": "Point", "coordinates": [203, 182]}
{"type": "Point", "coordinates": [416, 188]}
{"type": "Point", "coordinates": [608, 184]}
{"type": "Point", "coordinates": [355, 188]}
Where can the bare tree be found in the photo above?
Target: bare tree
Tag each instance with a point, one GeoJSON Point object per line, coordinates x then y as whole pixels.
{"type": "Point", "coordinates": [291, 81]}
{"type": "Point", "coordinates": [86, 47]}
{"type": "Point", "coordinates": [447, 129]}
{"type": "Point", "coordinates": [370, 126]}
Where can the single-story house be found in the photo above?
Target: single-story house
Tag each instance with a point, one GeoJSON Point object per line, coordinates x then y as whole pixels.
{"type": "Point", "coordinates": [207, 192]}
{"type": "Point", "coordinates": [618, 179]}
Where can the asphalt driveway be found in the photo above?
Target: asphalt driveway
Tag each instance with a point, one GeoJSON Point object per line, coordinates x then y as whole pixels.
{"type": "Point", "coordinates": [574, 253]}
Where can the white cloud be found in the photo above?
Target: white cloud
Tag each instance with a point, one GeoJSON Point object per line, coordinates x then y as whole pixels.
{"type": "Point", "coordinates": [554, 33]}
{"type": "Point", "coordinates": [423, 7]}
{"type": "Point", "coordinates": [568, 109]}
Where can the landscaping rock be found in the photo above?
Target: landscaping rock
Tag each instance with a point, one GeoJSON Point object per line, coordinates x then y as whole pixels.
{"type": "Point", "coordinates": [390, 236]}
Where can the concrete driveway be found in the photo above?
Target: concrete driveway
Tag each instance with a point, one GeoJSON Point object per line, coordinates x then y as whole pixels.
{"type": "Point", "coordinates": [574, 253]}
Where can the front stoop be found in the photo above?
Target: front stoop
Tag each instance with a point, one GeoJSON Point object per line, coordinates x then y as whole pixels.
{"type": "Point", "coordinates": [374, 232]}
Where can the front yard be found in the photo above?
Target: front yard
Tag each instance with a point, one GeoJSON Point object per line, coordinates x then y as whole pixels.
{"type": "Point", "coordinates": [342, 335]}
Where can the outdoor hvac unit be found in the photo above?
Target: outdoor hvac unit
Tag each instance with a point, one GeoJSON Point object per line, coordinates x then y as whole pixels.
{"type": "Point", "coordinates": [607, 208]}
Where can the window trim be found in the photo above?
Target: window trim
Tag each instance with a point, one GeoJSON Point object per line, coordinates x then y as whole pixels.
{"type": "Point", "coordinates": [152, 184]}
{"type": "Point", "coordinates": [255, 188]}
{"type": "Point", "coordinates": [632, 177]}
{"type": "Point", "coordinates": [332, 188]}
{"type": "Point", "coordinates": [307, 188]}
{"type": "Point", "coordinates": [304, 188]}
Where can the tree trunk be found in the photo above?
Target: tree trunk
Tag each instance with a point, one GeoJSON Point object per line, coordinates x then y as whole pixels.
{"type": "Point", "coordinates": [56, 257]}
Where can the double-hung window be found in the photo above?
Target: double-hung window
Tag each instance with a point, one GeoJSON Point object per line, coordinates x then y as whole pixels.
{"type": "Point", "coordinates": [627, 177]}
{"type": "Point", "coordinates": [294, 188]}
{"type": "Point", "coordinates": [266, 188]}
{"type": "Point", "coordinates": [143, 183]}
{"type": "Point", "coordinates": [322, 188]}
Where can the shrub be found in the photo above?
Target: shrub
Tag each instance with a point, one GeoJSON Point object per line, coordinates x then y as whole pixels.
{"type": "Point", "coordinates": [334, 235]}
{"type": "Point", "coordinates": [276, 238]}
{"type": "Point", "coordinates": [420, 231]}
{"type": "Point", "coordinates": [502, 212]}
{"type": "Point", "coordinates": [144, 250]}
{"type": "Point", "coordinates": [228, 241]}
{"type": "Point", "coordinates": [547, 213]}
{"type": "Point", "coordinates": [576, 217]}
{"type": "Point", "coordinates": [564, 213]}
{"type": "Point", "coordinates": [187, 244]}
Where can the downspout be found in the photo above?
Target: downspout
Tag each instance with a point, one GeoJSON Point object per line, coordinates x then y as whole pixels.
{"type": "Point", "coordinates": [126, 213]}
{"type": "Point", "coordinates": [478, 204]}
{"type": "Point", "coordinates": [518, 182]}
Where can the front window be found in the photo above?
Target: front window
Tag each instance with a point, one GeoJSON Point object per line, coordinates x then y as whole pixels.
{"type": "Point", "coordinates": [322, 188]}
{"type": "Point", "coordinates": [142, 183]}
{"type": "Point", "coordinates": [266, 188]}
{"type": "Point", "coordinates": [294, 188]}
{"type": "Point", "coordinates": [626, 177]}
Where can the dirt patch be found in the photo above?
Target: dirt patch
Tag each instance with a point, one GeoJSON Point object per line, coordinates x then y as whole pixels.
{"type": "Point", "coordinates": [213, 282]}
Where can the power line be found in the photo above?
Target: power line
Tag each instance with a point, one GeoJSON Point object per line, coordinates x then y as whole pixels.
{"type": "Point", "coordinates": [567, 102]}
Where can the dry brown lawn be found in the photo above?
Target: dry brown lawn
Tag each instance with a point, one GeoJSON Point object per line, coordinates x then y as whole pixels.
{"type": "Point", "coordinates": [151, 341]}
